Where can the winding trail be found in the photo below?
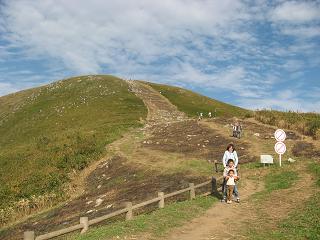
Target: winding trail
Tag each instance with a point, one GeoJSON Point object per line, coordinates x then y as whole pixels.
{"type": "Point", "coordinates": [160, 111]}
{"type": "Point", "coordinates": [218, 221]}
{"type": "Point", "coordinates": [224, 221]}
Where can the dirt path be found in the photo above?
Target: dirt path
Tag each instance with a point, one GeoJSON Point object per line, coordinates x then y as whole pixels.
{"type": "Point", "coordinates": [214, 224]}
{"type": "Point", "coordinates": [160, 110]}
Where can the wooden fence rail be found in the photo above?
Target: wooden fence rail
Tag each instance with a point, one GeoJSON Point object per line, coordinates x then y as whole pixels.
{"type": "Point", "coordinates": [128, 210]}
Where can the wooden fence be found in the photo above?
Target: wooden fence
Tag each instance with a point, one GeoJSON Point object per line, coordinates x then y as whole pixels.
{"type": "Point", "coordinates": [128, 210]}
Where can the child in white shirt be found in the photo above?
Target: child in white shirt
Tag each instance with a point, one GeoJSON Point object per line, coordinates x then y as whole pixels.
{"type": "Point", "coordinates": [230, 166]}
{"type": "Point", "coordinates": [230, 178]}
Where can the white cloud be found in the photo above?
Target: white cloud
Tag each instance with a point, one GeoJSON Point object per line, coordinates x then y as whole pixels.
{"type": "Point", "coordinates": [301, 31]}
{"type": "Point", "coordinates": [296, 12]}
{"type": "Point", "coordinates": [299, 19]}
{"type": "Point", "coordinates": [109, 33]}
{"type": "Point", "coordinates": [287, 99]}
{"type": "Point", "coordinates": [293, 65]}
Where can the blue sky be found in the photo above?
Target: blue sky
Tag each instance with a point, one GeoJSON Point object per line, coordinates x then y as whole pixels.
{"type": "Point", "coordinates": [254, 54]}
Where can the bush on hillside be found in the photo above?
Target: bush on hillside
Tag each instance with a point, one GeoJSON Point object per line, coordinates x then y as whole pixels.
{"type": "Point", "coordinates": [305, 123]}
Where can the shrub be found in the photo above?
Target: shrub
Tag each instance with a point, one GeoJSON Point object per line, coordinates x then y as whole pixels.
{"type": "Point", "coordinates": [305, 123]}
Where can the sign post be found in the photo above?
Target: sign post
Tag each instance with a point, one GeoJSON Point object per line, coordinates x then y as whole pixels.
{"type": "Point", "coordinates": [280, 147]}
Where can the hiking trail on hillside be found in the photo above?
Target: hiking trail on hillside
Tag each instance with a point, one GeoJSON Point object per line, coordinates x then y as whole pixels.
{"type": "Point", "coordinates": [160, 110]}
{"type": "Point", "coordinates": [106, 184]}
{"type": "Point", "coordinates": [153, 158]}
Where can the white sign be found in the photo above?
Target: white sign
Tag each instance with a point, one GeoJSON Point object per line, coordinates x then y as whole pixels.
{"type": "Point", "coordinates": [280, 148]}
{"type": "Point", "coordinates": [280, 135]}
{"type": "Point", "coordinates": [266, 159]}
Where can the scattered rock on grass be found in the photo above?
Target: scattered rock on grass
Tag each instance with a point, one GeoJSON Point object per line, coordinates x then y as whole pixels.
{"type": "Point", "coordinates": [98, 202]}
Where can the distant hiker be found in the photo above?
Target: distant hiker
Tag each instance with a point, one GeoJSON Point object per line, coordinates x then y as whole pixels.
{"type": "Point", "coordinates": [209, 115]}
{"type": "Point", "coordinates": [200, 116]}
{"type": "Point", "coordinates": [230, 153]}
{"type": "Point", "coordinates": [228, 185]}
{"type": "Point", "coordinates": [236, 130]}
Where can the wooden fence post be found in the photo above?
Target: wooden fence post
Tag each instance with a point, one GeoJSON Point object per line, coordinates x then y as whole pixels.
{"type": "Point", "coordinates": [192, 191]}
{"type": "Point", "coordinates": [161, 202]}
{"type": "Point", "coordinates": [29, 235]}
{"type": "Point", "coordinates": [214, 189]}
{"type": "Point", "coordinates": [85, 222]}
{"type": "Point", "coordinates": [129, 214]}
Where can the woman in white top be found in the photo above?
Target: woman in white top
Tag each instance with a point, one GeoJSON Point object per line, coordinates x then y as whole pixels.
{"type": "Point", "coordinates": [230, 153]}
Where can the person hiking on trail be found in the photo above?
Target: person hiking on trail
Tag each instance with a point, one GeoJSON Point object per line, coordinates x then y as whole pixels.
{"type": "Point", "coordinates": [238, 130]}
{"type": "Point", "coordinates": [200, 116]}
{"type": "Point", "coordinates": [234, 130]}
{"type": "Point", "coordinates": [230, 166]}
{"type": "Point", "coordinates": [231, 179]}
{"type": "Point", "coordinates": [209, 115]}
{"type": "Point", "coordinates": [230, 153]}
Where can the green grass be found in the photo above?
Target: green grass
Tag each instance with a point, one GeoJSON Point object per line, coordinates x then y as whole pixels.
{"type": "Point", "coordinates": [192, 103]}
{"type": "Point", "coordinates": [48, 132]}
{"type": "Point", "coordinates": [315, 169]}
{"type": "Point", "coordinates": [302, 222]}
{"type": "Point", "coordinates": [195, 166]}
{"type": "Point", "coordinates": [305, 123]}
{"type": "Point", "coordinates": [157, 223]}
{"type": "Point", "coordinates": [277, 179]}
{"type": "Point", "coordinates": [280, 180]}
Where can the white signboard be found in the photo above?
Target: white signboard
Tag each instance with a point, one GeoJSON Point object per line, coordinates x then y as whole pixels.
{"type": "Point", "coordinates": [280, 148]}
{"type": "Point", "coordinates": [266, 159]}
{"type": "Point", "coordinates": [280, 135]}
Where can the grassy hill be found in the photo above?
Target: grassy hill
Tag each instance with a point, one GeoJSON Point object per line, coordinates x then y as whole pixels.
{"type": "Point", "coordinates": [305, 123]}
{"type": "Point", "coordinates": [192, 103]}
{"type": "Point", "coordinates": [47, 132]}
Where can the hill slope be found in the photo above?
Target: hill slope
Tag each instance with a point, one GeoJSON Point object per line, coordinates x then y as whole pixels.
{"type": "Point", "coordinates": [166, 154]}
{"type": "Point", "coordinates": [193, 103]}
{"type": "Point", "coordinates": [46, 132]}
{"type": "Point", "coordinates": [53, 132]}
